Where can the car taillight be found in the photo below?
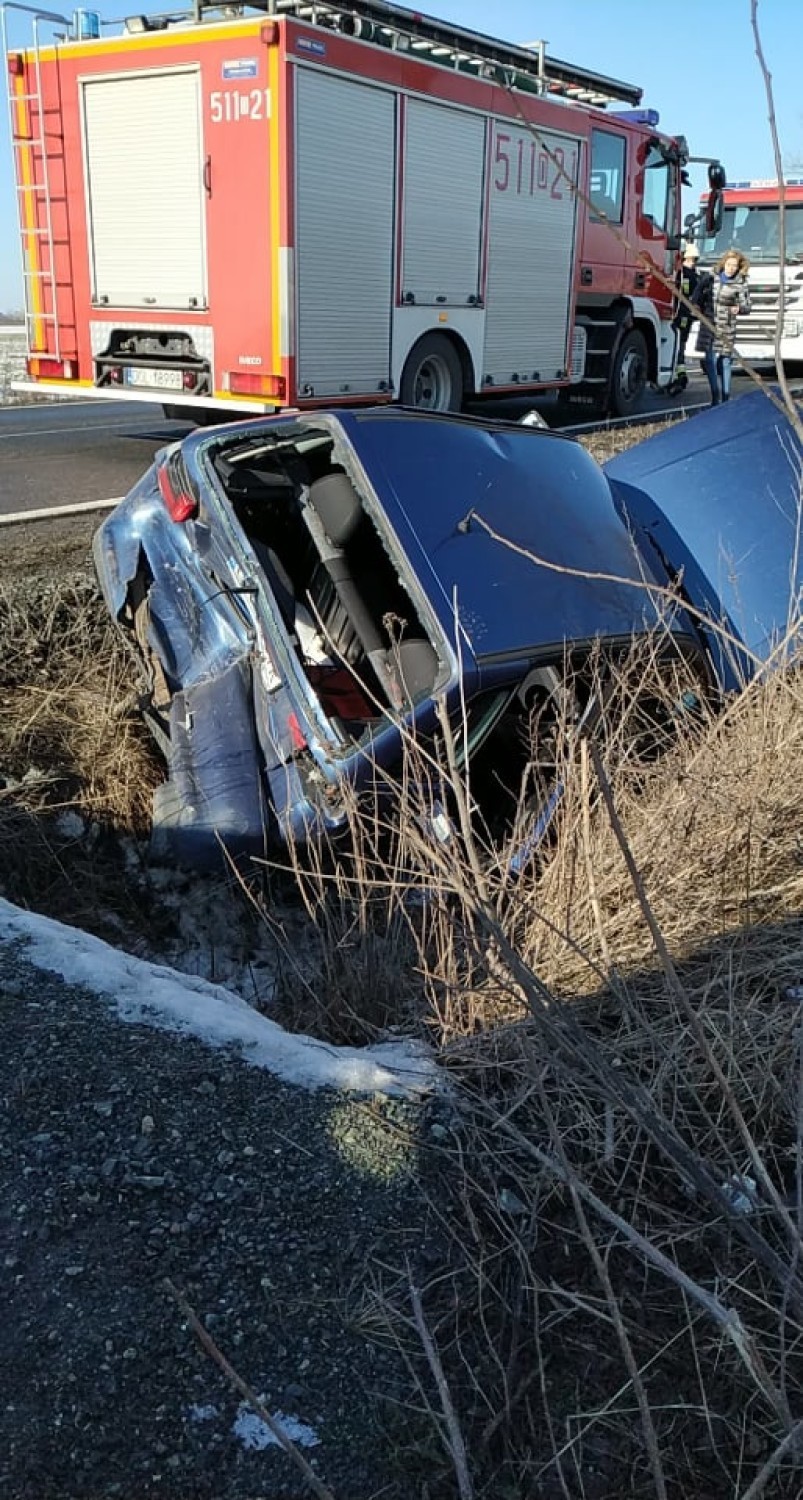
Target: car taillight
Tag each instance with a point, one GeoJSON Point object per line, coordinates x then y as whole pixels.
{"type": "Point", "coordinates": [176, 489]}
{"type": "Point", "coordinates": [296, 733]}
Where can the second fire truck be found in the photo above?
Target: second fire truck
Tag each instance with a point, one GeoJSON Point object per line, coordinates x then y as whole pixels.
{"type": "Point", "coordinates": [751, 223]}
{"type": "Point", "coordinates": [312, 204]}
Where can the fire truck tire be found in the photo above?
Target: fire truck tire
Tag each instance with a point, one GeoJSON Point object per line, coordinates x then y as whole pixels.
{"type": "Point", "coordinates": [628, 374]}
{"type": "Point", "coordinates": [432, 377]}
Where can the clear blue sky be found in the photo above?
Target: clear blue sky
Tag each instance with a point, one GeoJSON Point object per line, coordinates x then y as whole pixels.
{"type": "Point", "coordinates": [696, 64]}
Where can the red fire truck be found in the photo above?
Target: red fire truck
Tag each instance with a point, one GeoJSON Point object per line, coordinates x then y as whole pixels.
{"type": "Point", "coordinates": [234, 211]}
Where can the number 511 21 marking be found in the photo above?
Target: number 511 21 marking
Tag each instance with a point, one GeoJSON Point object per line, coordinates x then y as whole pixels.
{"type": "Point", "coordinates": [521, 167]}
{"type": "Point", "coordinates": [229, 106]}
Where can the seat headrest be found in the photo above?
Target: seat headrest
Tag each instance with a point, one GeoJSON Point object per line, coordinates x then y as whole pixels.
{"type": "Point", "coordinates": [416, 663]}
{"type": "Point", "coordinates": [337, 505]}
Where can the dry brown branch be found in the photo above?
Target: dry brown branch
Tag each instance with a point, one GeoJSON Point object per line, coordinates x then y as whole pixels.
{"type": "Point", "coordinates": [614, 1308]}
{"type": "Point", "coordinates": [779, 172]}
{"type": "Point", "coordinates": [767, 1470]}
{"type": "Point", "coordinates": [247, 1392]}
{"type": "Point", "coordinates": [726, 1318]}
{"type": "Point", "coordinates": [456, 1445]}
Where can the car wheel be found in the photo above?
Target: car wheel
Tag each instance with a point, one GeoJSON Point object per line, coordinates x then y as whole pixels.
{"type": "Point", "coordinates": [432, 378]}
{"type": "Point", "coordinates": [629, 374]}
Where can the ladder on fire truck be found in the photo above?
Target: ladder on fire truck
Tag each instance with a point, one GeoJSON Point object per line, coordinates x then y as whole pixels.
{"type": "Point", "coordinates": [524, 67]}
{"type": "Point", "coordinates": [26, 120]}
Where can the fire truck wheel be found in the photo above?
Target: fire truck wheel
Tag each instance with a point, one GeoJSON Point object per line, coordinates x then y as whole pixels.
{"type": "Point", "coordinates": [432, 377]}
{"type": "Point", "coordinates": [629, 374]}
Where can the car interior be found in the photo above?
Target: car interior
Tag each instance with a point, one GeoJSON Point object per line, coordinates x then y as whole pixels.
{"type": "Point", "coordinates": [334, 584]}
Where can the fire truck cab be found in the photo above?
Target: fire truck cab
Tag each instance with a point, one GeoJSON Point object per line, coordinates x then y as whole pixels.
{"type": "Point", "coordinates": [302, 204]}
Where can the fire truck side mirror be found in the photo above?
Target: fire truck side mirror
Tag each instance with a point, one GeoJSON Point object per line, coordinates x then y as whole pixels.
{"type": "Point", "coordinates": [713, 212]}
{"type": "Point", "coordinates": [717, 178]}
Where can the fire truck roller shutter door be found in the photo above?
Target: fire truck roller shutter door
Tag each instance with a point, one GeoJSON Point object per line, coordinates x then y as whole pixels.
{"type": "Point", "coordinates": [146, 218]}
{"type": "Point", "coordinates": [345, 191]}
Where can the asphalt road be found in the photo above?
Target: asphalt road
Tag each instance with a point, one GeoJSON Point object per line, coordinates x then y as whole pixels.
{"type": "Point", "coordinates": [69, 452]}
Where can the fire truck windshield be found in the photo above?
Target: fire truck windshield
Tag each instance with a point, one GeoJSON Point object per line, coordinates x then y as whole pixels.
{"type": "Point", "coordinates": [754, 229]}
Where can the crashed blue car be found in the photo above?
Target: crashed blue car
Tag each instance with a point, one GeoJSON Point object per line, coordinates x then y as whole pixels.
{"type": "Point", "coordinates": [717, 502]}
{"type": "Point", "coordinates": [306, 589]}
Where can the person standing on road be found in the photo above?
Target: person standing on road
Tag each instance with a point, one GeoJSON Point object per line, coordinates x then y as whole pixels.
{"type": "Point", "coordinates": [721, 296]}
{"type": "Point", "coordinates": [687, 278]}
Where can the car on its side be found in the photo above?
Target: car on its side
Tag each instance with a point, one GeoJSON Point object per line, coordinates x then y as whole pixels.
{"type": "Point", "coordinates": [306, 590]}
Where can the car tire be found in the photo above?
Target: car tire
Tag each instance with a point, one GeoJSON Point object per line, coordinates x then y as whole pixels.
{"type": "Point", "coordinates": [432, 378]}
{"type": "Point", "coordinates": [628, 374]}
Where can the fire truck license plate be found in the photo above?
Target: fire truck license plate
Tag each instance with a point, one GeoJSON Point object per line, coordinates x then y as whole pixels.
{"type": "Point", "coordinates": [160, 380]}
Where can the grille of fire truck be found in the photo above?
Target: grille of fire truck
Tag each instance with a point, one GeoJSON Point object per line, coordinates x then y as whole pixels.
{"type": "Point", "coordinates": [523, 67]}
{"type": "Point", "coordinates": [759, 325]}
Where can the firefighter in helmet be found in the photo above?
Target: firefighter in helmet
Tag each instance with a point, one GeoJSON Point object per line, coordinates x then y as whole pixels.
{"type": "Point", "coordinates": [687, 279]}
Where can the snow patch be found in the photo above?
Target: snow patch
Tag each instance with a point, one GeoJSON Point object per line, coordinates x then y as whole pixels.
{"type": "Point", "coordinates": [152, 995]}
{"type": "Point", "coordinates": [70, 825]}
{"type": "Point", "coordinates": [202, 1413]}
{"type": "Point", "coordinates": [254, 1433]}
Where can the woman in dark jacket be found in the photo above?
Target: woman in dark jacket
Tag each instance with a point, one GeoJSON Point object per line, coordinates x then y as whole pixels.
{"type": "Point", "coordinates": [721, 296]}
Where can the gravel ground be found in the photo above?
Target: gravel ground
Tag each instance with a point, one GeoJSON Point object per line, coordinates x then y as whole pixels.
{"type": "Point", "coordinates": [128, 1156]}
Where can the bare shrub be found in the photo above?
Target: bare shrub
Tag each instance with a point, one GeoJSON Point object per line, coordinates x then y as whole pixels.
{"type": "Point", "coordinates": [621, 1307]}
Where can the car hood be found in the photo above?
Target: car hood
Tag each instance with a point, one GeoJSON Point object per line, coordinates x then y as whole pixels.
{"type": "Point", "coordinates": [446, 484]}
{"type": "Point", "coordinates": [719, 497]}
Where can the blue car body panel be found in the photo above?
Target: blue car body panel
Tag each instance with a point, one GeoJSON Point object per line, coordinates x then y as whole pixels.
{"type": "Point", "coordinates": [719, 496]}
{"type": "Point", "coordinates": [438, 479]}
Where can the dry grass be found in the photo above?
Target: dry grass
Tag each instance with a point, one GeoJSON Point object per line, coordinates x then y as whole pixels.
{"type": "Point", "coordinates": [619, 1310]}
{"type": "Point", "coordinates": [715, 842]}
{"type": "Point", "coordinates": [609, 441]}
{"type": "Point", "coordinates": [67, 705]}
{"type": "Point", "coordinates": [71, 745]}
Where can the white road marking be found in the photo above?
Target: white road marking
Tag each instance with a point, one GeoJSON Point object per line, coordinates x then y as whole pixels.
{"type": "Point", "coordinates": [48, 512]}
{"type": "Point", "coordinates": [36, 432]}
